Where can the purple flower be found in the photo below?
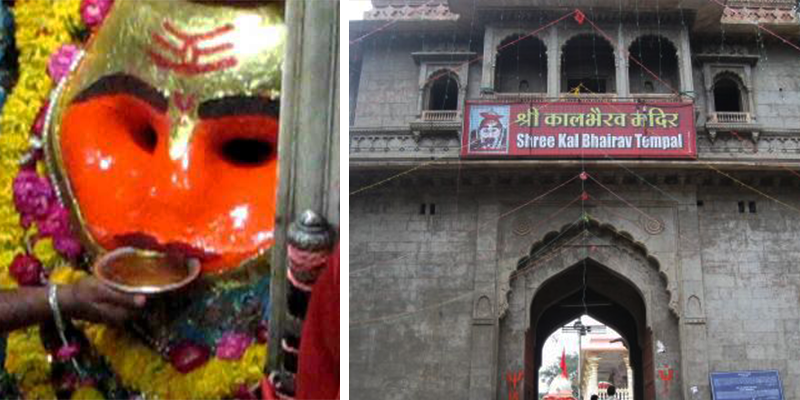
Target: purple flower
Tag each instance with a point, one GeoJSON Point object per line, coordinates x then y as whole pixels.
{"type": "Point", "coordinates": [232, 345]}
{"type": "Point", "coordinates": [55, 222]}
{"type": "Point", "coordinates": [67, 245]}
{"type": "Point", "coordinates": [27, 270]}
{"type": "Point", "coordinates": [94, 12]}
{"type": "Point", "coordinates": [58, 66]}
{"type": "Point", "coordinates": [33, 195]}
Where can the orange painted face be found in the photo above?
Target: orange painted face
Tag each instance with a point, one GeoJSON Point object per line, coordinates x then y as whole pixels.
{"type": "Point", "coordinates": [167, 150]}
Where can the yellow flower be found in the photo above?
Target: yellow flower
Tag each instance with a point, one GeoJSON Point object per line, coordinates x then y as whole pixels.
{"type": "Point", "coordinates": [64, 274]}
{"type": "Point", "coordinates": [142, 369]}
{"type": "Point", "coordinates": [41, 27]}
{"type": "Point", "coordinates": [44, 251]}
{"type": "Point", "coordinates": [27, 359]}
{"type": "Point", "coordinates": [87, 393]}
{"type": "Point", "coordinates": [40, 392]}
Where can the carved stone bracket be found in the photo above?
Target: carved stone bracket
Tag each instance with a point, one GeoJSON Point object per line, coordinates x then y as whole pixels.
{"type": "Point", "coordinates": [436, 12]}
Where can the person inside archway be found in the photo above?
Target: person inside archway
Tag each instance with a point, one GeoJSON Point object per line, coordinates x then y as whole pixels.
{"type": "Point", "coordinates": [612, 392]}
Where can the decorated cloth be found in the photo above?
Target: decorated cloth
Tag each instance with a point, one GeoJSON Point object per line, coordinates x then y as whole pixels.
{"type": "Point", "coordinates": [318, 369]}
{"type": "Point", "coordinates": [318, 365]}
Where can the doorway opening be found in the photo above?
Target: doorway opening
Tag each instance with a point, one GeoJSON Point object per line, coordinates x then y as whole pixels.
{"type": "Point", "coordinates": [608, 298]}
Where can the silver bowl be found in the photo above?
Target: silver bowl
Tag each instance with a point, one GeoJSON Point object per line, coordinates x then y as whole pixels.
{"type": "Point", "coordinates": [102, 265]}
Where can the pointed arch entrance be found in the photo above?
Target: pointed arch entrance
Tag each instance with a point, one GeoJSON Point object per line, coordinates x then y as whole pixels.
{"type": "Point", "coordinates": [638, 302]}
{"type": "Point", "coordinates": [609, 298]}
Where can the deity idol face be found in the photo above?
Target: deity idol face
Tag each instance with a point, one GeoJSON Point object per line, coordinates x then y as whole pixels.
{"type": "Point", "coordinates": [490, 132]}
{"type": "Point", "coordinates": [166, 134]}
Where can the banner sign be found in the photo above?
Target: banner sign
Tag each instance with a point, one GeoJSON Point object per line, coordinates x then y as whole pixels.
{"type": "Point", "coordinates": [746, 385]}
{"type": "Point", "coordinates": [564, 129]}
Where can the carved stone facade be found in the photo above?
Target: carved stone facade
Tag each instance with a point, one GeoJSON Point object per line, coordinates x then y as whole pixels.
{"type": "Point", "coordinates": [457, 264]}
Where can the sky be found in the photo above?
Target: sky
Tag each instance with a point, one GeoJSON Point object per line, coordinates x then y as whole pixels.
{"type": "Point", "coordinates": [354, 9]}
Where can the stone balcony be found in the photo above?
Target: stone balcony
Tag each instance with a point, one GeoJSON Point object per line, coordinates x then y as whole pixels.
{"type": "Point", "coordinates": [737, 122]}
{"type": "Point", "coordinates": [730, 118]}
{"type": "Point", "coordinates": [779, 17]}
{"type": "Point", "coordinates": [437, 123]}
{"type": "Point", "coordinates": [441, 116]}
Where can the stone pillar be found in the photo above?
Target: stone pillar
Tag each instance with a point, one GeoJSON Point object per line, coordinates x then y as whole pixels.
{"type": "Point", "coordinates": [309, 140]}
{"type": "Point", "coordinates": [553, 63]}
{"type": "Point", "coordinates": [685, 59]}
{"type": "Point", "coordinates": [483, 370]}
{"type": "Point", "coordinates": [621, 62]}
{"type": "Point", "coordinates": [630, 376]}
{"type": "Point", "coordinates": [489, 59]}
{"type": "Point", "coordinates": [421, 101]}
{"type": "Point", "coordinates": [693, 335]}
{"type": "Point", "coordinates": [591, 386]}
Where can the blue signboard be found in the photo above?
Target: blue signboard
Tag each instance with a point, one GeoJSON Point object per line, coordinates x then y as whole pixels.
{"type": "Point", "coordinates": [746, 385]}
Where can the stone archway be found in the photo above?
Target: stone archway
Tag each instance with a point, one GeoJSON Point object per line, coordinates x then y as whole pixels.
{"type": "Point", "coordinates": [621, 271]}
{"type": "Point", "coordinates": [610, 299]}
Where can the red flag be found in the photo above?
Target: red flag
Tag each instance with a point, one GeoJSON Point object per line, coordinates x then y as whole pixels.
{"type": "Point", "coordinates": [579, 17]}
{"type": "Point", "coordinates": [564, 362]}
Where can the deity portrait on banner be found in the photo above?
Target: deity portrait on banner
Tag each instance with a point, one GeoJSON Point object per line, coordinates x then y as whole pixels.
{"type": "Point", "coordinates": [488, 130]}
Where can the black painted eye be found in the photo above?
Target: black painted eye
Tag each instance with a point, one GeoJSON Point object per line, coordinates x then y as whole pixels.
{"type": "Point", "coordinates": [146, 138]}
{"type": "Point", "coordinates": [248, 152]}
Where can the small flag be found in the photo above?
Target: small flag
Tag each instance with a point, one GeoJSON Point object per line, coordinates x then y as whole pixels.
{"type": "Point", "coordinates": [579, 17]}
{"type": "Point", "coordinates": [564, 362]}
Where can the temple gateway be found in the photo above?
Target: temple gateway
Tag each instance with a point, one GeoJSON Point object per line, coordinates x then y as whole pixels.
{"type": "Point", "coordinates": [476, 233]}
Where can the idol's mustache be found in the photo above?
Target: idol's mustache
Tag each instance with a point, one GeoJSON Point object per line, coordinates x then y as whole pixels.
{"type": "Point", "coordinates": [148, 242]}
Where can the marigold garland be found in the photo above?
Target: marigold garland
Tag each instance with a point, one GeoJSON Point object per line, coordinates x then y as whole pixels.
{"type": "Point", "coordinates": [142, 369]}
{"type": "Point", "coordinates": [42, 26]}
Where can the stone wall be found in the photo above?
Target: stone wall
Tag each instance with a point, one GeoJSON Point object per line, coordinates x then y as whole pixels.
{"type": "Point", "coordinates": [389, 89]}
{"type": "Point", "coordinates": [748, 301]}
{"type": "Point", "coordinates": [777, 87]}
{"type": "Point", "coordinates": [752, 282]}
{"type": "Point", "coordinates": [403, 261]}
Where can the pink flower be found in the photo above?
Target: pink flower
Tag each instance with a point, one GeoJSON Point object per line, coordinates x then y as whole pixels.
{"type": "Point", "coordinates": [38, 124]}
{"type": "Point", "coordinates": [67, 352]}
{"type": "Point", "coordinates": [232, 345]}
{"type": "Point", "coordinates": [187, 356]}
{"type": "Point", "coordinates": [94, 12]}
{"type": "Point", "coordinates": [67, 245]}
{"type": "Point", "coordinates": [33, 195]}
{"type": "Point", "coordinates": [58, 66]}
{"type": "Point", "coordinates": [27, 270]}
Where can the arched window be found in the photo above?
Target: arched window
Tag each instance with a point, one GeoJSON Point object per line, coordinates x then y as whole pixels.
{"type": "Point", "coordinates": [659, 56]}
{"type": "Point", "coordinates": [521, 65]}
{"type": "Point", "coordinates": [587, 65]}
{"type": "Point", "coordinates": [442, 92]}
{"type": "Point", "coordinates": [727, 95]}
